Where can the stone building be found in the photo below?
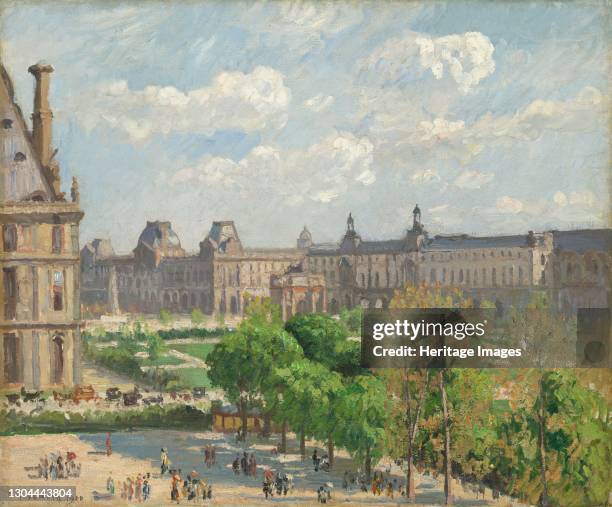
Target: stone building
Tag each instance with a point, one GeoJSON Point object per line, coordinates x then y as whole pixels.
{"type": "Point", "coordinates": [356, 272]}
{"type": "Point", "coordinates": [40, 315]}
{"type": "Point", "coordinates": [159, 274]}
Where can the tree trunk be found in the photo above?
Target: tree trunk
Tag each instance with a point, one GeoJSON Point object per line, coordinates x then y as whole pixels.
{"type": "Point", "coordinates": [330, 450]}
{"type": "Point", "coordinates": [283, 447]}
{"type": "Point", "coordinates": [243, 416]}
{"type": "Point", "coordinates": [412, 427]}
{"type": "Point", "coordinates": [447, 460]}
{"type": "Point", "coordinates": [542, 446]}
{"type": "Point", "coordinates": [267, 425]}
{"type": "Point", "coordinates": [410, 486]}
{"type": "Point", "coordinates": [303, 443]}
{"type": "Point", "coordinates": [368, 465]}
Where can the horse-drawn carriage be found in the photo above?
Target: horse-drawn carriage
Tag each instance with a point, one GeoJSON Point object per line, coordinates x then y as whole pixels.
{"type": "Point", "coordinates": [84, 393]}
{"type": "Point", "coordinates": [113, 394]}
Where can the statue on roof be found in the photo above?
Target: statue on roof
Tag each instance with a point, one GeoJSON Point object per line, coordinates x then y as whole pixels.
{"type": "Point", "coordinates": [350, 223]}
{"type": "Point", "coordinates": [74, 190]}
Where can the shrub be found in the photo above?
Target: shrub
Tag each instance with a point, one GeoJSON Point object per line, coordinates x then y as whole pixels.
{"type": "Point", "coordinates": [165, 317]}
{"type": "Point", "coordinates": [197, 317]}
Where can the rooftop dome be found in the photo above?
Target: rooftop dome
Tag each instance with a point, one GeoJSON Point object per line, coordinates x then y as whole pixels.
{"type": "Point", "coordinates": [304, 239]}
{"type": "Point", "coordinates": [305, 234]}
{"type": "Point", "coordinates": [159, 236]}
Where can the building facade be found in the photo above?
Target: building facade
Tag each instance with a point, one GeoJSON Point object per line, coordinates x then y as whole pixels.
{"type": "Point", "coordinates": [573, 267]}
{"type": "Point", "coordinates": [40, 304]}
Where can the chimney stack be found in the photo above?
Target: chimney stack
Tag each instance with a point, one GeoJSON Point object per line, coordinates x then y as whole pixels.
{"type": "Point", "coordinates": [42, 115]}
{"type": "Point", "coordinates": [42, 128]}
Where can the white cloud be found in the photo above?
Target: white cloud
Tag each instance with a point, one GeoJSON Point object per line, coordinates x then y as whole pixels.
{"type": "Point", "coordinates": [321, 173]}
{"type": "Point", "coordinates": [233, 101]}
{"type": "Point", "coordinates": [425, 176]}
{"type": "Point", "coordinates": [473, 179]}
{"type": "Point", "coordinates": [584, 198]}
{"type": "Point", "coordinates": [507, 204]}
{"type": "Point", "coordinates": [466, 57]}
{"type": "Point", "coordinates": [313, 17]}
{"type": "Point", "coordinates": [560, 198]}
{"type": "Point", "coordinates": [443, 208]}
{"type": "Point", "coordinates": [439, 129]}
{"type": "Point", "coordinates": [319, 102]}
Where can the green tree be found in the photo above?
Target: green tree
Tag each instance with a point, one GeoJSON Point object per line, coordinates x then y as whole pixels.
{"type": "Point", "coordinates": [436, 296]}
{"type": "Point", "coordinates": [155, 345]}
{"type": "Point", "coordinates": [244, 361]}
{"type": "Point", "coordinates": [361, 412]}
{"type": "Point", "coordinates": [325, 340]}
{"type": "Point", "coordinates": [304, 392]}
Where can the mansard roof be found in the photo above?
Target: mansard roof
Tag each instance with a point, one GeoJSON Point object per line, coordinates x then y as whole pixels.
{"type": "Point", "coordinates": [466, 242]}
{"type": "Point", "coordinates": [583, 240]}
{"type": "Point", "coordinates": [23, 178]}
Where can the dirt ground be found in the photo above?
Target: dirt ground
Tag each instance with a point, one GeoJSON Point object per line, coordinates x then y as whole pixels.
{"type": "Point", "coordinates": [20, 451]}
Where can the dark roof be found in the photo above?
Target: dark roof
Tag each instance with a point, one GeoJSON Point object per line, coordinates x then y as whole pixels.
{"type": "Point", "coordinates": [465, 242]}
{"type": "Point", "coordinates": [580, 241]}
{"type": "Point", "coordinates": [153, 233]}
{"type": "Point", "coordinates": [390, 245]}
{"type": "Point", "coordinates": [323, 249]}
{"type": "Point", "coordinates": [19, 164]}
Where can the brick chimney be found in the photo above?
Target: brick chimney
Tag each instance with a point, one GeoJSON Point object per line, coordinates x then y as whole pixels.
{"type": "Point", "coordinates": [42, 116]}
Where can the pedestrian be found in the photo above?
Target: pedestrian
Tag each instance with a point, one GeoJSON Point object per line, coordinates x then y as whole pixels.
{"type": "Point", "coordinates": [236, 465]}
{"type": "Point", "coordinates": [209, 492]}
{"type": "Point", "coordinates": [165, 461]}
{"type": "Point", "coordinates": [138, 488]}
{"type": "Point", "coordinates": [146, 491]}
{"type": "Point", "coordinates": [174, 485]}
{"type": "Point", "coordinates": [213, 455]}
{"type": "Point", "coordinates": [253, 466]}
{"type": "Point", "coordinates": [110, 484]}
{"type": "Point", "coordinates": [390, 489]}
{"type": "Point", "coordinates": [244, 463]}
{"type": "Point", "coordinates": [109, 444]}
{"type": "Point", "coordinates": [207, 457]}
{"type": "Point", "coordinates": [130, 492]}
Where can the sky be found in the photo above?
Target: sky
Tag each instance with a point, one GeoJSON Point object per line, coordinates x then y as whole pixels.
{"type": "Point", "coordinates": [493, 117]}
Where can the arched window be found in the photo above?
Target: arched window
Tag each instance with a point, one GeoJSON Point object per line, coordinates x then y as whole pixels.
{"type": "Point", "coordinates": [19, 157]}
{"type": "Point", "coordinates": [461, 276]}
{"type": "Point", "coordinates": [58, 290]}
{"type": "Point", "coordinates": [363, 279]}
{"type": "Point", "coordinates": [494, 277]}
{"type": "Point", "coordinates": [432, 276]}
{"type": "Point", "coordinates": [542, 259]}
{"type": "Point", "coordinates": [376, 280]}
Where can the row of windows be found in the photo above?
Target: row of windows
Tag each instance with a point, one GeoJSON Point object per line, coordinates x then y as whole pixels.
{"type": "Point", "coordinates": [11, 291]}
{"type": "Point", "coordinates": [471, 277]}
{"type": "Point", "coordinates": [466, 255]}
{"type": "Point", "coordinates": [12, 234]}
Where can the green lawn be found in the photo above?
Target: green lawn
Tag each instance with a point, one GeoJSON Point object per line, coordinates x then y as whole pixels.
{"type": "Point", "coordinates": [199, 350]}
{"type": "Point", "coordinates": [192, 377]}
{"type": "Point", "coordinates": [161, 361]}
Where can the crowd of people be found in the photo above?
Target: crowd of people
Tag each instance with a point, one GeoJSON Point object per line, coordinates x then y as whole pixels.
{"type": "Point", "coordinates": [133, 488]}
{"type": "Point", "coordinates": [55, 466]}
{"type": "Point", "coordinates": [191, 488]}
{"type": "Point", "coordinates": [245, 464]}
{"type": "Point", "coordinates": [279, 482]}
